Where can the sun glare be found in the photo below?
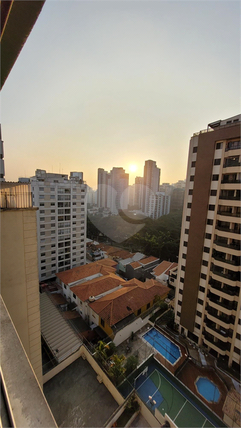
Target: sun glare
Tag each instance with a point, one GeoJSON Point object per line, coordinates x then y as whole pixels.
{"type": "Point", "coordinates": [132, 168]}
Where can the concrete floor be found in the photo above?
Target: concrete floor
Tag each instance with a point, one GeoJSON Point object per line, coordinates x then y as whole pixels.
{"type": "Point", "coordinates": [140, 422]}
{"type": "Point", "coordinates": [77, 399]}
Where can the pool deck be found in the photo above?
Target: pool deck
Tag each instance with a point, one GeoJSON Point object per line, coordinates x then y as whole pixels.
{"type": "Point", "coordinates": [171, 367]}
{"type": "Point", "coordinates": [192, 367]}
{"type": "Point", "coordinates": [189, 374]}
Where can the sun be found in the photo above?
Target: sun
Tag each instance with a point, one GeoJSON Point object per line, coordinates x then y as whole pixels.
{"type": "Point", "coordinates": [132, 168]}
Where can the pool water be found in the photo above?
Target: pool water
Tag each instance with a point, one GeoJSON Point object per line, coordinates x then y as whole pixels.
{"type": "Point", "coordinates": [163, 345]}
{"type": "Point", "coordinates": [208, 389]}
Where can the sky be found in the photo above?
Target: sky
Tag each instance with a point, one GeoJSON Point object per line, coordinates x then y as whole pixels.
{"type": "Point", "coordinates": [103, 84]}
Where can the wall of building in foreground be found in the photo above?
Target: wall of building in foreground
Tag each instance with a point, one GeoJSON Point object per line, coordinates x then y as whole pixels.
{"type": "Point", "coordinates": [19, 279]}
{"type": "Point", "coordinates": [22, 397]}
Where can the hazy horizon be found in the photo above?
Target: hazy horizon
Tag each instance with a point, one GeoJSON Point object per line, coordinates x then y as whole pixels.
{"type": "Point", "coordinates": [100, 84]}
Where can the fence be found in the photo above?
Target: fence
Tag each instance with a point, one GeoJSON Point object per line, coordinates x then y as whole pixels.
{"type": "Point", "coordinates": [15, 196]}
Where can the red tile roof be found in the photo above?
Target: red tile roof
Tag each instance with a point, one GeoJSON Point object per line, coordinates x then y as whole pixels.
{"type": "Point", "coordinates": [81, 272]}
{"type": "Point", "coordinates": [116, 306]}
{"type": "Point", "coordinates": [135, 265]}
{"type": "Point", "coordinates": [97, 286]}
{"type": "Point", "coordinates": [164, 267]}
{"type": "Point", "coordinates": [115, 251]}
{"type": "Point", "coordinates": [107, 262]}
{"type": "Point", "coordinates": [148, 260]}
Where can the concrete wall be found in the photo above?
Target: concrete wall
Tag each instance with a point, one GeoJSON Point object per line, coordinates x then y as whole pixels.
{"type": "Point", "coordinates": [62, 366]}
{"type": "Point", "coordinates": [126, 331]}
{"type": "Point", "coordinates": [106, 381]}
{"type": "Point", "coordinates": [147, 414]}
{"type": "Point", "coordinates": [19, 279]}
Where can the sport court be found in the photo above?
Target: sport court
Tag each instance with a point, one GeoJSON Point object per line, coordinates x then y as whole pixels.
{"type": "Point", "coordinates": [157, 392]}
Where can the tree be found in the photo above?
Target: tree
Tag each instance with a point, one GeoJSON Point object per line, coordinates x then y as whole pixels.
{"type": "Point", "coordinates": [110, 349]}
{"type": "Point", "coordinates": [101, 353]}
{"type": "Point", "coordinates": [117, 370]}
{"type": "Point", "coordinates": [131, 364]}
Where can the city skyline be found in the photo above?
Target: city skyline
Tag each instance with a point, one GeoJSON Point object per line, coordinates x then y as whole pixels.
{"type": "Point", "coordinates": [127, 81]}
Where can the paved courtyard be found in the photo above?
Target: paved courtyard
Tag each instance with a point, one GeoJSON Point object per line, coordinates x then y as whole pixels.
{"type": "Point", "coordinates": [77, 399]}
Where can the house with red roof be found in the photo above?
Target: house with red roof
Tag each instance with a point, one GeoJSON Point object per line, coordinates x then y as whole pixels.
{"type": "Point", "coordinates": [162, 271]}
{"type": "Point", "coordinates": [126, 309]}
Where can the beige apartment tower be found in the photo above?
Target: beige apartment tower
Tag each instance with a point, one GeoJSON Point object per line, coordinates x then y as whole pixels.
{"type": "Point", "coordinates": [208, 298]}
{"type": "Point", "coordinates": [61, 221]}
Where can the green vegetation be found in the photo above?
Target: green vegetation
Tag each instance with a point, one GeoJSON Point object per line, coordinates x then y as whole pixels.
{"type": "Point", "coordinates": [131, 364]}
{"type": "Point", "coordinates": [132, 406]}
{"type": "Point", "coordinates": [166, 319]}
{"type": "Point", "coordinates": [159, 238]}
{"type": "Point", "coordinates": [117, 366]}
{"type": "Point", "coordinates": [117, 369]}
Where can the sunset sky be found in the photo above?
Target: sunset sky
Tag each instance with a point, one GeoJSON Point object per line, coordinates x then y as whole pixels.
{"type": "Point", "coordinates": [115, 83]}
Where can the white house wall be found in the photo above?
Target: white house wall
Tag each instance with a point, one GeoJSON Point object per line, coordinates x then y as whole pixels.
{"type": "Point", "coordinates": [125, 333]}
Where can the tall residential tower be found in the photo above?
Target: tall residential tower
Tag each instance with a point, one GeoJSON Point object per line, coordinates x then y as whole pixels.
{"type": "Point", "coordinates": [151, 182]}
{"type": "Point", "coordinates": [208, 297]}
{"type": "Point", "coordinates": [112, 189]}
{"type": "Point", "coordinates": [61, 221]}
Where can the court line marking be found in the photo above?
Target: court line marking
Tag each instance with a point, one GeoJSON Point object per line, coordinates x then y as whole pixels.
{"type": "Point", "coordinates": [179, 411]}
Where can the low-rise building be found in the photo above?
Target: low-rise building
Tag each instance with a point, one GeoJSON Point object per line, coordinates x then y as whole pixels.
{"type": "Point", "coordinates": [162, 271]}
{"type": "Point", "coordinates": [125, 310]}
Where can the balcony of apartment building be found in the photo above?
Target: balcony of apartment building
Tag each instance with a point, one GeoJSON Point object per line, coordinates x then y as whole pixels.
{"type": "Point", "coordinates": [227, 229]}
{"type": "Point", "coordinates": [228, 307]}
{"type": "Point", "coordinates": [220, 333]}
{"type": "Point", "coordinates": [230, 181]}
{"type": "Point", "coordinates": [232, 163]}
{"type": "Point", "coordinates": [218, 317]}
{"type": "Point", "coordinates": [232, 147]}
{"type": "Point", "coordinates": [219, 346]}
{"type": "Point", "coordinates": [230, 197]}
{"type": "Point", "coordinates": [226, 260]}
{"type": "Point", "coordinates": [233, 245]}
{"type": "Point", "coordinates": [229, 213]}
{"type": "Point", "coordinates": [231, 274]}
{"type": "Point", "coordinates": [223, 290]}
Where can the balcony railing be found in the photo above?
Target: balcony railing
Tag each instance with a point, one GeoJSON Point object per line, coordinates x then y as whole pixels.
{"type": "Point", "coordinates": [224, 244]}
{"type": "Point", "coordinates": [231, 162]}
{"type": "Point", "coordinates": [16, 196]}
{"type": "Point", "coordinates": [230, 181]}
{"type": "Point", "coordinates": [219, 344]}
{"type": "Point", "coordinates": [229, 306]}
{"type": "Point", "coordinates": [230, 198]}
{"type": "Point", "coordinates": [231, 262]}
{"type": "Point", "coordinates": [228, 214]}
{"type": "Point", "coordinates": [225, 290]}
{"type": "Point", "coordinates": [223, 333]}
{"type": "Point", "coordinates": [231, 277]}
{"type": "Point", "coordinates": [233, 146]}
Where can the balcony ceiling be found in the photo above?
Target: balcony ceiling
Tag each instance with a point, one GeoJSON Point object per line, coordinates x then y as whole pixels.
{"type": "Point", "coordinates": [17, 21]}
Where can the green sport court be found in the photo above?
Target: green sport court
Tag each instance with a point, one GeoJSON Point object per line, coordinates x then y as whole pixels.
{"type": "Point", "coordinates": [157, 392]}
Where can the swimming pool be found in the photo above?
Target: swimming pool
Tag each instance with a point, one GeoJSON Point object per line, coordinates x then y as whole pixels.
{"type": "Point", "coordinates": [163, 345]}
{"type": "Point", "coordinates": [208, 389]}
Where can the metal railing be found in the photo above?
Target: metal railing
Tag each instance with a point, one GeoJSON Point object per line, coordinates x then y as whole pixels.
{"type": "Point", "coordinates": [15, 198]}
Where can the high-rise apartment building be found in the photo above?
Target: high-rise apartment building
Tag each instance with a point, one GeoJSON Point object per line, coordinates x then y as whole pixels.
{"type": "Point", "coordinates": [102, 190]}
{"type": "Point", "coordinates": [151, 182]}
{"type": "Point", "coordinates": [208, 296]}
{"type": "Point", "coordinates": [112, 189]}
{"type": "Point", "coordinates": [177, 199]}
{"type": "Point", "coordinates": [61, 221]}
{"type": "Point", "coordinates": [138, 191]}
{"type": "Point", "coordinates": [159, 205]}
